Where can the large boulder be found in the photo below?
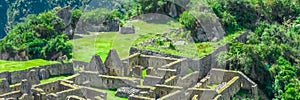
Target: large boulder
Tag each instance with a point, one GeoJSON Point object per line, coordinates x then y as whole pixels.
{"type": "Point", "coordinates": [129, 29]}
{"type": "Point", "coordinates": [66, 15]}
{"type": "Point", "coordinates": [208, 28]}
{"type": "Point", "coordinates": [125, 92]}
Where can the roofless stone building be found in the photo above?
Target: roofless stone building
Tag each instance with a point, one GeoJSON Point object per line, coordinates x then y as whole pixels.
{"type": "Point", "coordinates": [137, 77]}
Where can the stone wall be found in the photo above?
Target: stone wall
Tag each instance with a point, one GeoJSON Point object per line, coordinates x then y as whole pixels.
{"type": "Point", "coordinates": [180, 65]}
{"type": "Point", "coordinates": [152, 80]}
{"type": "Point", "coordinates": [64, 94]}
{"type": "Point", "coordinates": [163, 90]}
{"type": "Point", "coordinates": [148, 52]}
{"type": "Point", "coordinates": [134, 97]}
{"type": "Point", "coordinates": [218, 75]}
{"type": "Point", "coordinates": [13, 94]}
{"type": "Point", "coordinates": [165, 73]}
{"type": "Point", "coordinates": [4, 86]}
{"type": "Point", "coordinates": [79, 64]}
{"type": "Point", "coordinates": [49, 87]}
{"type": "Point", "coordinates": [15, 87]}
{"type": "Point", "coordinates": [177, 95]}
{"type": "Point", "coordinates": [201, 94]}
{"type": "Point", "coordinates": [132, 60]}
{"type": "Point", "coordinates": [52, 70]}
{"type": "Point", "coordinates": [92, 93]}
{"type": "Point", "coordinates": [188, 80]}
{"type": "Point", "coordinates": [172, 81]}
{"type": "Point", "coordinates": [202, 65]}
{"type": "Point", "coordinates": [230, 89]}
{"type": "Point", "coordinates": [154, 61]}
{"type": "Point", "coordinates": [103, 81]}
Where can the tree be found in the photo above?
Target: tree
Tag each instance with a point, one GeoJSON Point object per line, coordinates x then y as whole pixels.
{"type": "Point", "coordinates": [286, 84]}
{"type": "Point", "coordinates": [41, 36]}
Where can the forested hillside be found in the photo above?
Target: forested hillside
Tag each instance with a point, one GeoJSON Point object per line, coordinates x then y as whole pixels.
{"type": "Point", "coordinates": [271, 54]}
{"type": "Point", "coordinates": [13, 11]}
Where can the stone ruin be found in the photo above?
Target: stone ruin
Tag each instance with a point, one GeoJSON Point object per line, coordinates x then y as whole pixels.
{"type": "Point", "coordinates": [137, 77]}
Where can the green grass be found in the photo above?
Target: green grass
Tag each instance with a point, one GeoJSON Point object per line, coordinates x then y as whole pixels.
{"type": "Point", "coordinates": [100, 43]}
{"type": "Point", "coordinates": [22, 65]}
{"type": "Point", "coordinates": [190, 70]}
{"type": "Point", "coordinates": [54, 78]}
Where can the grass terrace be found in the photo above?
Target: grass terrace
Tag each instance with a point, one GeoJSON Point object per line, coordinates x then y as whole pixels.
{"type": "Point", "coordinates": [22, 65]}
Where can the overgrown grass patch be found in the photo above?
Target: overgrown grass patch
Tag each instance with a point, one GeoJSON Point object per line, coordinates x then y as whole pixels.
{"type": "Point", "coordinates": [192, 50]}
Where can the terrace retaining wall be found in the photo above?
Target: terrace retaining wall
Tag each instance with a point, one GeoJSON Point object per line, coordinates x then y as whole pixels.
{"type": "Point", "coordinates": [53, 70]}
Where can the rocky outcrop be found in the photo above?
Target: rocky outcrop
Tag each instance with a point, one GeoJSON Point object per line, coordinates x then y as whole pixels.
{"type": "Point", "coordinates": [208, 27]}
{"type": "Point", "coordinates": [127, 29]}
{"type": "Point", "coordinates": [19, 56]}
{"type": "Point", "coordinates": [111, 25]}
{"type": "Point", "coordinates": [65, 14]}
{"type": "Point", "coordinates": [125, 92]}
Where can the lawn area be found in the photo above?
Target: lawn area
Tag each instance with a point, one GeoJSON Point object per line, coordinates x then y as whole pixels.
{"type": "Point", "coordinates": [22, 65]}
{"type": "Point", "coordinates": [100, 43]}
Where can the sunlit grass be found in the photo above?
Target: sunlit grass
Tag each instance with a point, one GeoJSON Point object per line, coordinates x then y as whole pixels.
{"type": "Point", "coordinates": [22, 65]}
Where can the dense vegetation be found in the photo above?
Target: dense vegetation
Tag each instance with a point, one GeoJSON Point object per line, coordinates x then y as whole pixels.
{"type": "Point", "coordinates": [271, 54]}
